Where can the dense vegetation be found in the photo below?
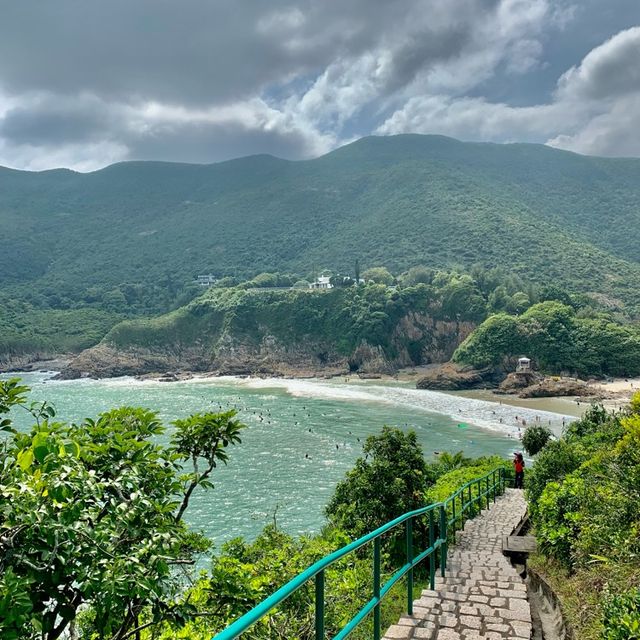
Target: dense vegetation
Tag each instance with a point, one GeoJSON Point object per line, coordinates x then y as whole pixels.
{"type": "Point", "coordinates": [93, 544]}
{"type": "Point", "coordinates": [91, 526]}
{"type": "Point", "coordinates": [129, 239]}
{"type": "Point", "coordinates": [424, 317]}
{"type": "Point", "coordinates": [332, 324]}
{"type": "Point", "coordinates": [584, 498]}
{"type": "Point", "coordinates": [559, 339]}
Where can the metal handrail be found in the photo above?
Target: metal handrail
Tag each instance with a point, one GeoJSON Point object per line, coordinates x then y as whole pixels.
{"type": "Point", "coordinates": [317, 570]}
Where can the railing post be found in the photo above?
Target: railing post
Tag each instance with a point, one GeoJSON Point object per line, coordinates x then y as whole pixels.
{"type": "Point", "coordinates": [409, 536]}
{"type": "Point", "coordinates": [488, 493]}
{"type": "Point", "coordinates": [432, 557]}
{"type": "Point", "coordinates": [443, 537]}
{"type": "Point", "coordinates": [493, 485]}
{"type": "Point", "coordinates": [453, 505]}
{"type": "Point", "coordinates": [320, 605]}
{"type": "Point", "coordinates": [376, 588]}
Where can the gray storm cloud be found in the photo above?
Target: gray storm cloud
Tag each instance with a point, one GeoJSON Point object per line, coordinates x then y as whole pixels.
{"type": "Point", "coordinates": [85, 83]}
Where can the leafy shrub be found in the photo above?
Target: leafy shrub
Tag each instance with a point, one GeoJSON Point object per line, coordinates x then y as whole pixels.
{"type": "Point", "coordinates": [556, 526]}
{"type": "Point", "coordinates": [535, 438]}
{"type": "Point", "coordinates": [621, 616]}
{"type": "Point", "coordinates": [388, 481]}
{"type": "Point", "coordinates": [558, 459]}
{"type": "Point", "coordinates": [451, 481]}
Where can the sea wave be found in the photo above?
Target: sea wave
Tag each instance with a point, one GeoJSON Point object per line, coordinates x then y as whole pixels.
{"type": "Point", "coordinates": [503, 418]}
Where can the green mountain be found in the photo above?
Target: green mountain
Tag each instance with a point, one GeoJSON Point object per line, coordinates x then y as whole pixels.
{"type": "Point", "coordinates": [128, 238]}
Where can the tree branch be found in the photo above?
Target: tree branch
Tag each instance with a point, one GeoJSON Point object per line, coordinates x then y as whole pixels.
{"type": "Point", "coordinates": [194, 483]}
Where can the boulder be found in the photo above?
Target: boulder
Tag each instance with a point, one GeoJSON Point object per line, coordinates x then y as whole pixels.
{"type": "Point", "coordinates": [520, 380]}
{"type": "Point", "coordinates": [552, 387]}
{"type": "Point", "coordinates": [452, 377]}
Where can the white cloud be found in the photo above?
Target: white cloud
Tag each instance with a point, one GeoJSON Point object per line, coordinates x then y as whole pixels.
{"type": "Point", "coordinates": [615, 132]}
{"type": "Point", "coordinates": [595, 109]}
{"type": "Point", "coordinates": [608, 71]}
{"type": "Point", "coordinates": [474, 119]}
{"type": "Point", "coordinates": [297, 79]}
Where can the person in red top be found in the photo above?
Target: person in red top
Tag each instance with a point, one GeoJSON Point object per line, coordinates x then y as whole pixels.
{"type": "Point", "coordinates": [518, 464]}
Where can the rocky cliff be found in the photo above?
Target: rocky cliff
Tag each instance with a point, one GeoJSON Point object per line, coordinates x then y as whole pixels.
{"type": "Point", "coordinates": [312, 335]}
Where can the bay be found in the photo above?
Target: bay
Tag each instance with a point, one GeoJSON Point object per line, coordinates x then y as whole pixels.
{"type": "Point", "coordinates": [302, 436]}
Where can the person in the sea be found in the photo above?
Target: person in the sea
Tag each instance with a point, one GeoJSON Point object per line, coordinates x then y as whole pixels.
{"type": "Point", "coordinates": [518, 465]}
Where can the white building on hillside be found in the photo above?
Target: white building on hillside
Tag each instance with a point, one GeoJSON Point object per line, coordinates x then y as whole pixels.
{"type": "Point", "coordinates": [323, 282]}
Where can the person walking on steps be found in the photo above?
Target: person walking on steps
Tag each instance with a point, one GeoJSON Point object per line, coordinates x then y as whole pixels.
{"type": "Point", "coordinates": [518, 464]}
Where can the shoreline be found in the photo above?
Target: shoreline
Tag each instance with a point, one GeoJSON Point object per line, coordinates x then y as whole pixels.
{"type": "Point", "coordinates": [487, 413]}
{"type": "Point", "coordinates": [613, 394]}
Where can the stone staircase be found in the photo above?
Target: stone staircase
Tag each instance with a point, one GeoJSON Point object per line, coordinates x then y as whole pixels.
{"type": "Point", "coordinates": [482, 596]}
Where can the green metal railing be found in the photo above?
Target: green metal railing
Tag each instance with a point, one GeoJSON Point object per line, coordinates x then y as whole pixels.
{"type": "Point", "coordinates": [443, 519]}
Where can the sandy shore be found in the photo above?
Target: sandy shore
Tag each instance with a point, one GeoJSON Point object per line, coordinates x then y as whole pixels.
{"type": "Point", "coordinates": [616, 393]}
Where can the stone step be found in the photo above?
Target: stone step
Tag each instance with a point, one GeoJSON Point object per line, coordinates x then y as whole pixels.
{"type": "Point", "coordinates": [482, 596]}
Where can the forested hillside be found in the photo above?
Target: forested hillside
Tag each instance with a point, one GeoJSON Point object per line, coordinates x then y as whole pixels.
{"type": "Point", "coordinates": [130, 238]}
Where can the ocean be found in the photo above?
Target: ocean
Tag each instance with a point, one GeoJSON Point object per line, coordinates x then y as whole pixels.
{"type": "Point", "coordinates": [302, 436]}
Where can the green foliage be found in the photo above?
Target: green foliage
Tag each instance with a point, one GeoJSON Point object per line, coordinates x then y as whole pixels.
{"type": "Point", "coordinates": [585, 502]}
{"type": "Point", "coordinates": [496, 337]}
{"type": "Point", "coordinates": [451, 481]}
{"type": "Point", "coordinates": [557, 339]}
{"type": "Point", "coordinates": [557, 460]}
{"type": "Point", "coordinates": [379, 275]}
{"type": "Point", "coordinates": [129, 239]}
{"type": "Point", "coordinates": [245, 574]}
{"type": "Point", "coordinates": [91, 518]}
{"type": "Point", "coordinates": [535, 438]}
{"type": "Point", "coordinates": [621, 616]}
{"type": "Point", "coordinates": [267, 280]}
{"type": "Point", "coordinates": [417, 275]}
{"type": "Point", "coordinates": [332, 323]}
{"type": "Point", "coordinates": [462, 293]}
{"type": "Point", "coordinates": [25, 329]}
{"type": "Point", "coordinates": [390, 480]}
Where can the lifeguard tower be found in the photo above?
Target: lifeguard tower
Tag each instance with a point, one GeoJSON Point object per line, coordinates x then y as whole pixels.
{"type": "Point", "coordinates": [524, 365]}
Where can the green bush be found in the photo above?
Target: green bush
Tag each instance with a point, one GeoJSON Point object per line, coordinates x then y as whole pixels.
{"type": "Point", "coordinates": [559, 517]}
{"type": "Point", "coordinates": [447, 484]}
{"type": "Point", "coordinates": [621, 616]}
{"type": "Point", "coordinates": [557, 339]}
{"type": "Point", "coordinates": [554, 462]}
{"type": "Point", "coordinates": [535, 438]}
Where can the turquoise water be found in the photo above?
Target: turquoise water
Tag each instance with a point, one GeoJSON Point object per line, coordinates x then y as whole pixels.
{"type": "Point", "coordinates": [288, 420]}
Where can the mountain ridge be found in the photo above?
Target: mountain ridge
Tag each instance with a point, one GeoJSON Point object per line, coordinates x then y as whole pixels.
{"type": "Point", "coordinates": [358, 142]}
{"type": "Point", "coordinates": [130, 238]}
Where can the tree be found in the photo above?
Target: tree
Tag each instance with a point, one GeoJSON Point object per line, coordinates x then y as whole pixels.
{"type": "Point", "coordinates": [418, 275]}
{"type": "Point", "coordinates": [450, 461]}
{"type": "Point", "coordinates": [356, 271]}
{"type": "Point", "coordinates": [518, 303]}
{"type": "Point", "coordinates": [389, 481]}
{"type": "Point", "coordinates": [535, 438]}
{"type": "Point", "coordinates": [91, 517]}
{"type": "Point", "coordinates": [461, 298]}
{"type": "Point", "coordinates": [380, 275]}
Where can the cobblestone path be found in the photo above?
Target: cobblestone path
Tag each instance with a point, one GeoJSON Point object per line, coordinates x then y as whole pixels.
{"type": "Point", "coordinates": [482, 595]}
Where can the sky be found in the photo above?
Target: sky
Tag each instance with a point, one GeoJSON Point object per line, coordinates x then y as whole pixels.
{"type": "Point", "coordinates": [86, 83]}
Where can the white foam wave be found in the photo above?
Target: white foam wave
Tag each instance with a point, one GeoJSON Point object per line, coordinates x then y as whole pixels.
{"type": "Point", "coordinates": [503, 418]}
